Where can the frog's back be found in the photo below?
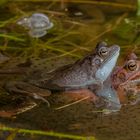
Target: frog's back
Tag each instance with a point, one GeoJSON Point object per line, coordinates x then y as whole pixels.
{"type": "Point", "coordinates": [74, 76]}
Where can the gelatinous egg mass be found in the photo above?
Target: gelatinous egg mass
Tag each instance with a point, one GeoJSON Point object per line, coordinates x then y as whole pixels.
{"type": "Point", "coordinates": [37, 23]}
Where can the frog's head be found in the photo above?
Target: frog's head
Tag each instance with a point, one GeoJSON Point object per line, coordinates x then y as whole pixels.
{"type": "Point", "coordinates": [106, 58]}
{"type": "Point", "coordinates": [126, 80]}
{"type": "Point", "coordinates": [128, 73]}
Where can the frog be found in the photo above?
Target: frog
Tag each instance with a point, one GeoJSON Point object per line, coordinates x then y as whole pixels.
{"type": "Point", "coordinates": [78, 77]}
{"type": "Point", "coordinates": [122, 86]}
{"type": "Point", "coordinates": [93, 69]}
{"type": "Point", "coordinates": [126, 80]}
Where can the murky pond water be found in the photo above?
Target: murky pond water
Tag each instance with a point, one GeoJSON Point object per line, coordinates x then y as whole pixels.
{"type": "Point", "coordinates": [78, 25]}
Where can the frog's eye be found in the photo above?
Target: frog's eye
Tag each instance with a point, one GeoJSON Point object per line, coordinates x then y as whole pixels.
{"type": "Point", "coordinates": [132, 65]}
{"type": "Point", "coordinates": [103, 51]}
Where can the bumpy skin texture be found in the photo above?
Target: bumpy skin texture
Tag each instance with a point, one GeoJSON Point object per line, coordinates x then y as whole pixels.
{"type": "Point", "coordinates": [82, 74]}
{"type": "Point", "coordinates": [122, 86]}
{"type": "Point", "coordinates": [81, 77]}
{"type": "Point", "coordinates": [126, 80]}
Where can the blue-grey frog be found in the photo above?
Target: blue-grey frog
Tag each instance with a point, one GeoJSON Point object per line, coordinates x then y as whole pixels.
{"type": "Point", "coordinates": [37, 23]}
{"type": "Point", "coordinates": [85, 76]}
{"type": "Point", "coordinates": [93, 69]}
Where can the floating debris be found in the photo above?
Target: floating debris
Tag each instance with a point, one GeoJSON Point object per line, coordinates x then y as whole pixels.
{"type": "Point", "coordinates": [37, 23]}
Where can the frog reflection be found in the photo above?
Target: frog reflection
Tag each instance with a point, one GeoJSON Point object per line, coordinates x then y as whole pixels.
{"type": "Point", "coordinates": [37, 23]}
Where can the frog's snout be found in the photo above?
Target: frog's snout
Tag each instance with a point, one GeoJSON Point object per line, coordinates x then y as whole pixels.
{"type": "Point", "coordinates": [105, 70]}
{"type": "Point", "coordinates": [115, 49]}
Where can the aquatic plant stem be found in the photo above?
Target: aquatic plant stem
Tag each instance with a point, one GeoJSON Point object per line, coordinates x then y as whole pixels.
{"type": "Point", "coordinates": [109, 29]}
{"type": "Point", "coordinates": [51, 133]}
{"type": "Point", "coordinates": [87, 2]}
{"type": "Point", "coordinates": [138, 7]}
{"type": "Point", "coordinates": [12, 37]}
{"type": "Point", "coordinates": [60, 50]}
{"type": "Point", "coordinates": [78, 101]}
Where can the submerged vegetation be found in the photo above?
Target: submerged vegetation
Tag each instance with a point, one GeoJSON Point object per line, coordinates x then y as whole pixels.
{"type": "Point", "coordinates": [138, 10]}
{"type": "Point", "coordinates": [77, 28]}
{"type": "Point", "coordinates": [37, 132]}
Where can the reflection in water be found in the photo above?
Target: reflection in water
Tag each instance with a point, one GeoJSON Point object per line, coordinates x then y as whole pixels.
{"type": "Point", "coordinates": [69, 42]}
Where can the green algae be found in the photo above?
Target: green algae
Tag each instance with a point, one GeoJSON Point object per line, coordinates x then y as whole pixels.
{"type": "Point", "coordinates": [38, 132]}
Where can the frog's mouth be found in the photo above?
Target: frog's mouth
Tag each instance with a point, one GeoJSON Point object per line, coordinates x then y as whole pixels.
{"type": "Point", "coordinates": [133, 80]}
{"type": "Point", "coordinates": [107, 66]}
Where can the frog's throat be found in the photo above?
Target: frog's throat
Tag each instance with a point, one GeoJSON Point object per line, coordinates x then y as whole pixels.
{"type": "Point", "coordinates": [106, 68]}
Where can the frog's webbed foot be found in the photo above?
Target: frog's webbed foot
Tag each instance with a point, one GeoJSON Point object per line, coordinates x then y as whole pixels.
{"type": "Point", "coordinates": [16, 106]}
{"type": "Point", "coordinates": [27, 89]}
{"type": "Point", "coordinates": [112, 106]}
{"type": "Point", "coordinates": [107, 106]}
{"type": "Point", "coordinates": [36, 96]}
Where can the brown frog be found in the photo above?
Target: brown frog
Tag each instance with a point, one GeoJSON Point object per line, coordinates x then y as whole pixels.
{"type": "Point", "coordinates": [122, 86]}
{"type": "Point", "coordinates": [126, 80]}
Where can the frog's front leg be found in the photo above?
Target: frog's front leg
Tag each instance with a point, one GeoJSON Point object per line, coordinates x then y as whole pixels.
{"type": "Point", "coordinates": [13, 106]}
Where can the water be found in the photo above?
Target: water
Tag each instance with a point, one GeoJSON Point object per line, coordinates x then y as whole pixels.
{"type": "Point", "coordinates": [77, 29]}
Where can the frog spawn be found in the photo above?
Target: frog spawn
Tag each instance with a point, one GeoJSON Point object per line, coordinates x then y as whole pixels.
{"type": "Point", "coordinates": [37, 23]}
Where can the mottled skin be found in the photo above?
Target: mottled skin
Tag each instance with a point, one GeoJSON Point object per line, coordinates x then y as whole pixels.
{"type": "Point", "coordinates": [85, 73]}
{"type": "Point", "coordinates": [126, 80]}
{"type": "Point", "coordinates": [122, 86]}
{"type": "Point", "coordinates": [84, 76]}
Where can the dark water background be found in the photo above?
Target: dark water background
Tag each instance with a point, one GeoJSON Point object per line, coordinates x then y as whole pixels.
{"type": "Point", "coordinates": [73, 36]}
